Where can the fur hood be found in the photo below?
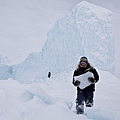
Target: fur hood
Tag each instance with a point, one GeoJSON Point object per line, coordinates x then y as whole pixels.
{"type": "Point", "coordinates": [88, 68]}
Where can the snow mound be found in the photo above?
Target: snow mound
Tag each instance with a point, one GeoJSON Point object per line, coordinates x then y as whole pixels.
{"type": "Point", "coordinates": [28, 102]}
{"type": "Point", "coordinates": [55, 98]}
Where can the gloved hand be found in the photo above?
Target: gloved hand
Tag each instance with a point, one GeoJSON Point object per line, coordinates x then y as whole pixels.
{"type": "Point", "coordinates": [76, 83]}
{"type": "Point", "coordinates": [91, 80]}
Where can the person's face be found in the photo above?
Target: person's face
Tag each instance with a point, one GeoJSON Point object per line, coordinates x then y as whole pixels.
{"type": "Point", "coordinates": [83, 64]}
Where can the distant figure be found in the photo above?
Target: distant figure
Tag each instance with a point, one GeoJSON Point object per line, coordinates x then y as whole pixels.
{"type": "Point", "coordinates": [49, 74]}
{"type": "Point", "coordinates": [85, 95]}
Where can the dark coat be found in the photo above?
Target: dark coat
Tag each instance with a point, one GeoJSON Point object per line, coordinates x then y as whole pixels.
{"type": "Point", "coordinates": [80, 70]}
{"type": "Point", "coordinates": [49, 74]}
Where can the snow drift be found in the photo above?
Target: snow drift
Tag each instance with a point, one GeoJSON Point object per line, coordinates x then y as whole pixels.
{"type": "Point", "coordinates": [55, 98]}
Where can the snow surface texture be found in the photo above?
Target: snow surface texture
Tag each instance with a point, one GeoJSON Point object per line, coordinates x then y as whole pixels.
{"type": "Point", "coordinates": [85, 32]}
{"type": "Point", "coordinates": [55, 98]}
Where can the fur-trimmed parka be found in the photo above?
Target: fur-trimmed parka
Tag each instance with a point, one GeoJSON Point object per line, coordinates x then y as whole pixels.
{"type": "Point", "coordinates": [80, 70]}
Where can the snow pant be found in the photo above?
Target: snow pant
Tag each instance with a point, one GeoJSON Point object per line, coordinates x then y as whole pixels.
{"type": "Point", "coordinates": [84, 97]}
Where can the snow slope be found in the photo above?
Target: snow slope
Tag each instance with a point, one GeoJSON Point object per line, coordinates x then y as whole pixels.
{"type": "Point", "coordinates": [53, 98]}
{"type": "Point", "coordinates": [86, 31]}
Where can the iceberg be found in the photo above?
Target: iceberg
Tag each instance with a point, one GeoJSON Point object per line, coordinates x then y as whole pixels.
{"type": "Point", "coordinates": [86, 31]}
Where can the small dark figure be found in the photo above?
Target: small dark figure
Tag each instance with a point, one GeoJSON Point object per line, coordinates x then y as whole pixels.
{"type": "Point", "coordinates": [49, 74]}
{"type": "Point", "coordinates": [85, 95]}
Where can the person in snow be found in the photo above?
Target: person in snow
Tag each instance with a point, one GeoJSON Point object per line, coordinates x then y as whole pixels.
{"type": "Point", "coordinates": [49, 74]}
{"type": "Point", "coordinates": [85, 95]}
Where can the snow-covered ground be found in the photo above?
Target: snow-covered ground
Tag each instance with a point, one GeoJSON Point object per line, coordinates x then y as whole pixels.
{"type": "Point", "coordinates": [54, 98]}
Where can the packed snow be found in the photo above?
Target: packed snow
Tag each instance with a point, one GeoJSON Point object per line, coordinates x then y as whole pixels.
{"type": "Point", "coordinates": [55, 97]}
